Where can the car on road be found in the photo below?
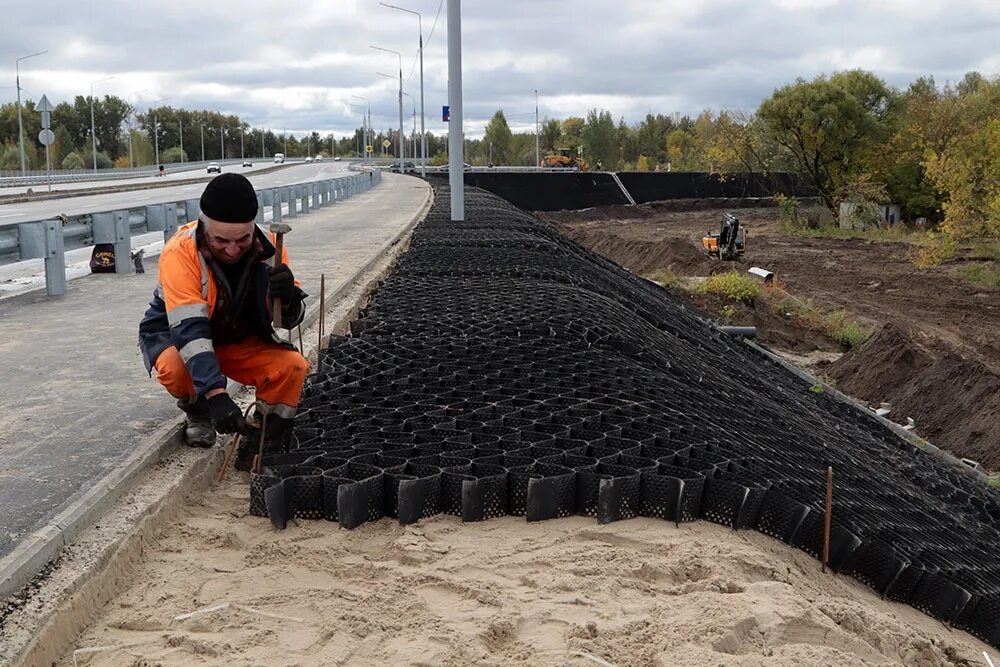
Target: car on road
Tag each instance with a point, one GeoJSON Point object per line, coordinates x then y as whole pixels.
{"type": "Point", "coordinates": [407, 166]}
{"type": "Point", "coordinates": [247, 163]}
{"type": "Point", "coordinates": [336, 158]}
{"type": "Point", "coordinates": [309, 159]}
{"type": "Point", "coordinates": [279, 158]}
{"type": "Point", "coordinates": [318, 158]}
{"type": "Point", "coordinates": [213, 167]}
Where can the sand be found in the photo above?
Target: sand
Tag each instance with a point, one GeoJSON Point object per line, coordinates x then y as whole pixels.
{"type": "Point", "coordinates": [502, 592]}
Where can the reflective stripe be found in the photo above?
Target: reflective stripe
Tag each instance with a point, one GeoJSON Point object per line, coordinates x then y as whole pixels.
{"type": "Point", "coordinates": [204, 276]}
{"type": "Point", "coordinates": [158, 292]}
{"type": "Point", "coordinates": [282, 410]}
{"type": "Point", "coordinates": [181, 313]}
{"type": "Point", "coordinates": [197, 346]}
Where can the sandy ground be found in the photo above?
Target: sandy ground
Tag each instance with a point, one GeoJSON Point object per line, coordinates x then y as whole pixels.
{"type": "Point", "coordinates": [503, 592]}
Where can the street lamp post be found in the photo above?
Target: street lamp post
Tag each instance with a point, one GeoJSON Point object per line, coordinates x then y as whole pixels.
{"type": "Point", "coordinates": [222, 143]}
{"type": "Point", "coordinates": [537, 157]}
{"type": "Point", "coordinates": [156, 130]}
{"type": "Point", "coordinates": [20, 124]}
{"type": "Point", "coordinates": [242, 156]}
{"type": "Point", "coordinates": [180, 127]}
{"type": "Point", "coordinates": [366, 126]}
{"type": "Point", "coordinates": [399, 56]}
{"type": "Point", "coordinates": [456, 171]}
{"type": "Point", "coordinates": [93, 135]}
{"type": "Point", "coordinates": [201, 127]}
{"type": "Point", "coordinates": [423, 134]}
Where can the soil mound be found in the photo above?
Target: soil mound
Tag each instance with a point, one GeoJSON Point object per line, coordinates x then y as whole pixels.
{"type": "Point", "coordinates": [954, 400]}
{"type": "Point", "coordinates": [644, 256]}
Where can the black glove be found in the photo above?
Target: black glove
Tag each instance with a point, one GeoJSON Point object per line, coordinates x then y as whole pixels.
{"type": "Point", "coordinates": [226, 415]}
{"type": "Point", "coordinates": [282, 285]}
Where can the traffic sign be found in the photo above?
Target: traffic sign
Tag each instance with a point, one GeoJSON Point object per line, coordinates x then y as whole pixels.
{"type": "Point", "coordinates": [44, 106]}
{"type": "Point", "coordinates": [46, 137]}
{"type": "Point", "coordinates": [445, 113]}
{"type": "Point", "coordinates": [386, 143]}
{"type": "Point", "coordinates": [369, 148]}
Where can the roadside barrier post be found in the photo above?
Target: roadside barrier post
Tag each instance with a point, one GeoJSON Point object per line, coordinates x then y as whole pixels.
{"type": "Point", "coordinates": [275, 205]}
{"type": "Point", "coordinates": [44, 240]}
{"type": "Point", "coordinates": [169, 221]}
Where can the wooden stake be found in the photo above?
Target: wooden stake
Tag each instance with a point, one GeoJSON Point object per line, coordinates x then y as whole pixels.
{"type": "Point", "coordinates": [260, 447]}
{"type": "Point", "coordinates": [233, 444]}
{"type": "Point", "coordinates": [829, 513]}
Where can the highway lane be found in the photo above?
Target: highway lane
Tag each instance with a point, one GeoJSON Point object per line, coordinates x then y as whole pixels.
{"type": "Point", "coordinates": [41, 210]}
{"type": "Point", "coordinates": [173, 173]}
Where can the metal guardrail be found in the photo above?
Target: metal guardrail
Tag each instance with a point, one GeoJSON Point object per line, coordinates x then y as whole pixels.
{"type": "Point", "coordinates": [14, 179]}
{"type": "Point", "coordinates": [50, 239]}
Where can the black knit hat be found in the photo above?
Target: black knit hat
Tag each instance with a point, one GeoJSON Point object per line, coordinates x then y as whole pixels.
{"type": "Point", "coordinates": [229, 198]}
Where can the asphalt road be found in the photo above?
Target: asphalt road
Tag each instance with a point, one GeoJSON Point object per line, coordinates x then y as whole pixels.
{"type": "Point", "coordinates": [41, 210]}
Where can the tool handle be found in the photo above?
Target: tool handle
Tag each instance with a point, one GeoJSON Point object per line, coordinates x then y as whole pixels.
{"type": "Point", "coordinates": [276, 302]}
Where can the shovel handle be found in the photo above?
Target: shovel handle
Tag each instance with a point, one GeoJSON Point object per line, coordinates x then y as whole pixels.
{"type": "Point", "coordinates": [279, 244]}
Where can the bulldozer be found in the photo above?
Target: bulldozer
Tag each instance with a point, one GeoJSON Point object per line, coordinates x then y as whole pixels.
{"type": "Point", "coordinates": [731, 241]}
{"type": "Point", "coordinates": [562, 159]}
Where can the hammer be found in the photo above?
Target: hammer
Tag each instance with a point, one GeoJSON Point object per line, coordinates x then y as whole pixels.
{"type": "Point", "coordinates": [279, 229]}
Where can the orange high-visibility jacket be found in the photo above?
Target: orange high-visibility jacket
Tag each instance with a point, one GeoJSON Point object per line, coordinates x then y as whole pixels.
{"type": "Point", "coordinates": [185, 300]}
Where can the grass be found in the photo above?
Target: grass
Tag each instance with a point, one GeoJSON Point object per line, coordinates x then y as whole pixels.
{"type": "Point", "coordinates": [894, 234]}
{"type": "Point", "coordinates": [663, 277]}
{"type": "Point", "coordinates": [982, 274]}
{"type": "Point", "coordinates": [732, 287]}
{"type": "Point", "coordinates": [995, 481]}
{"type": "Point", "coordinates": [838, 325]}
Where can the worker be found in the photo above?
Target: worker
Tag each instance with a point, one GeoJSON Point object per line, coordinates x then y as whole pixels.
{"type": "Point", "coordinates": [210, 319]}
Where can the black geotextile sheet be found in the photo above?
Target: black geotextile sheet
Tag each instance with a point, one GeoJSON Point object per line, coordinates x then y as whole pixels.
{"type": "Point", "coordinates": [501, 369]}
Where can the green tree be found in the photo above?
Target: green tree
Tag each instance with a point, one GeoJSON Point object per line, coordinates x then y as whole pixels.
{"type": "Point", "coordinates": [172, 155]}
{"type": "Point", "coordinates": [499, 137]}
{"type": "Point", "coordinates": [548, 136]}
{"type": "Point", "coordinates": [73, 161]}
{"type": "Point", "coordinates": [826, 125]}
{"type": "Point", "coordinates": [599, 137]}
{"type": "Point", "coordinates": [572, 130]}
{"type": "Point", "coordinates": [681, 150]}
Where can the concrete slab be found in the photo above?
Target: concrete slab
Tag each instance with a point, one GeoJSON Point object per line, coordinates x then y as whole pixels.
{"type": "Point", "coordinates": [76, 399]}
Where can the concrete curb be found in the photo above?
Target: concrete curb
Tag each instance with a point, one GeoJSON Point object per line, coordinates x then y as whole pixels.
{"type": "Point", "coordinates": [30, 556]}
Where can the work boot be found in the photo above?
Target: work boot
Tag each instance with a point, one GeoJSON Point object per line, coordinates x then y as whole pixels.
{"type": "Point", "coordinates": [198, 431]}
{"type": "Point", "coordinates": [277, 438]}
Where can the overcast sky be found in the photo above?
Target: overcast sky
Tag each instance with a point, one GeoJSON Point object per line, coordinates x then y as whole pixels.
{"type": "Point", "coordinates": [295, 65]}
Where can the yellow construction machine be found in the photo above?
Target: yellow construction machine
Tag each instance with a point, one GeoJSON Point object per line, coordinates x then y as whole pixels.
{"type": "Point", "coordinates": [562, 159]}
{"type": "Point", "coordinates": [731, 241]}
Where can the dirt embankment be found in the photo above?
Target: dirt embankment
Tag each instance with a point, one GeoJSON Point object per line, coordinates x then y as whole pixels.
{"type": "Point", "coordinates": [945, 328]}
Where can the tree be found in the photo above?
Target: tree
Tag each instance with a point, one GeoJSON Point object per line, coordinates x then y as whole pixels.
{"type": "Point", "coordinates": [172, 155]}
{"type": "Point", "coordinates": [825, 124]}
{"type": "Point", "coordinates": [680, 150]}
{"type": "Point", "coordinates": [499, 136]}
{"type": "Point", "coordinates": [599, 137]}
{"type": "Point", "coordinates": [572, 128]}
{"type": "Point", "coordinates": [73, 161]}
{"type": "Point", "coordinates": [549, 135]}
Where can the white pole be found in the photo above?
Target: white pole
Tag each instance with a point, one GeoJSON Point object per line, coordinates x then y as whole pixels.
{"type": "Point", "coordinates": [180, 125]}
{"type": "Point", "coordinates": [537, 156]}
{"type": "Point", "coordinates": [20, 125]}
{"type": "Point", "coordinates": [456, 155]}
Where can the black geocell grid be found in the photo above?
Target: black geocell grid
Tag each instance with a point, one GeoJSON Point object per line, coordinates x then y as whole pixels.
{"type": "Point", "coordinates": [502, 369]}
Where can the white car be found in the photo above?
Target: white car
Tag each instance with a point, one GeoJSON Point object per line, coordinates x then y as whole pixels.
{"type": "Point", "coordinates": [247, 163]}
{"type": "Point", "coordinates": [318, 158]}
{"type": "Point", "coordinates": [336, 158]}
{"type": "Point", "coordinates": [214, 167]}
{"type": "Point", "coordinates": [309, 159]}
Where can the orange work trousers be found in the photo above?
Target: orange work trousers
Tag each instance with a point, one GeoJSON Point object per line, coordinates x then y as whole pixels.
{"type": "Point", "coordinates": [275, 371]}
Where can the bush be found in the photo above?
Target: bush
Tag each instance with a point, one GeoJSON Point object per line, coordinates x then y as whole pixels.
{"type": "Point", "coordinates": [845, 332]}
{"type": "Point", "coordinates": [173, 155]}
{"type": "Point", "coordinates": [995, 481]}
{"type": "Point", "coordinates": [663, 277]}
{"type": "Point", "coordinates": [935, 249]}
{"type": "Point", "coordinates": [73, 161]}
{"type": "Point", "coordinates": [732, 287]}
{"type": "Point", "coordinates": [986, 274]}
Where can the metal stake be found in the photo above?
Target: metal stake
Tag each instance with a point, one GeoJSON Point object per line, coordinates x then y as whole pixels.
{"type": "Point", "coordinates": [826, 521]}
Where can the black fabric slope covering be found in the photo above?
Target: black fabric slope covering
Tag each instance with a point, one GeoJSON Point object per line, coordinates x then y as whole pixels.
{"type": "Point", "coordinates": [502, 369]}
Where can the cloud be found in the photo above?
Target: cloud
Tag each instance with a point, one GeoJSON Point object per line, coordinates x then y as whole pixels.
{"type": "Point", "coordinates": [296, 65]}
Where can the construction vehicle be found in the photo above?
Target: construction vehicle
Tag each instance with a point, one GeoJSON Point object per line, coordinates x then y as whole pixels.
{"type": "Point", "coordinates": [731, 241]}
{"type": "Point", "coordinates": [562, 159]}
